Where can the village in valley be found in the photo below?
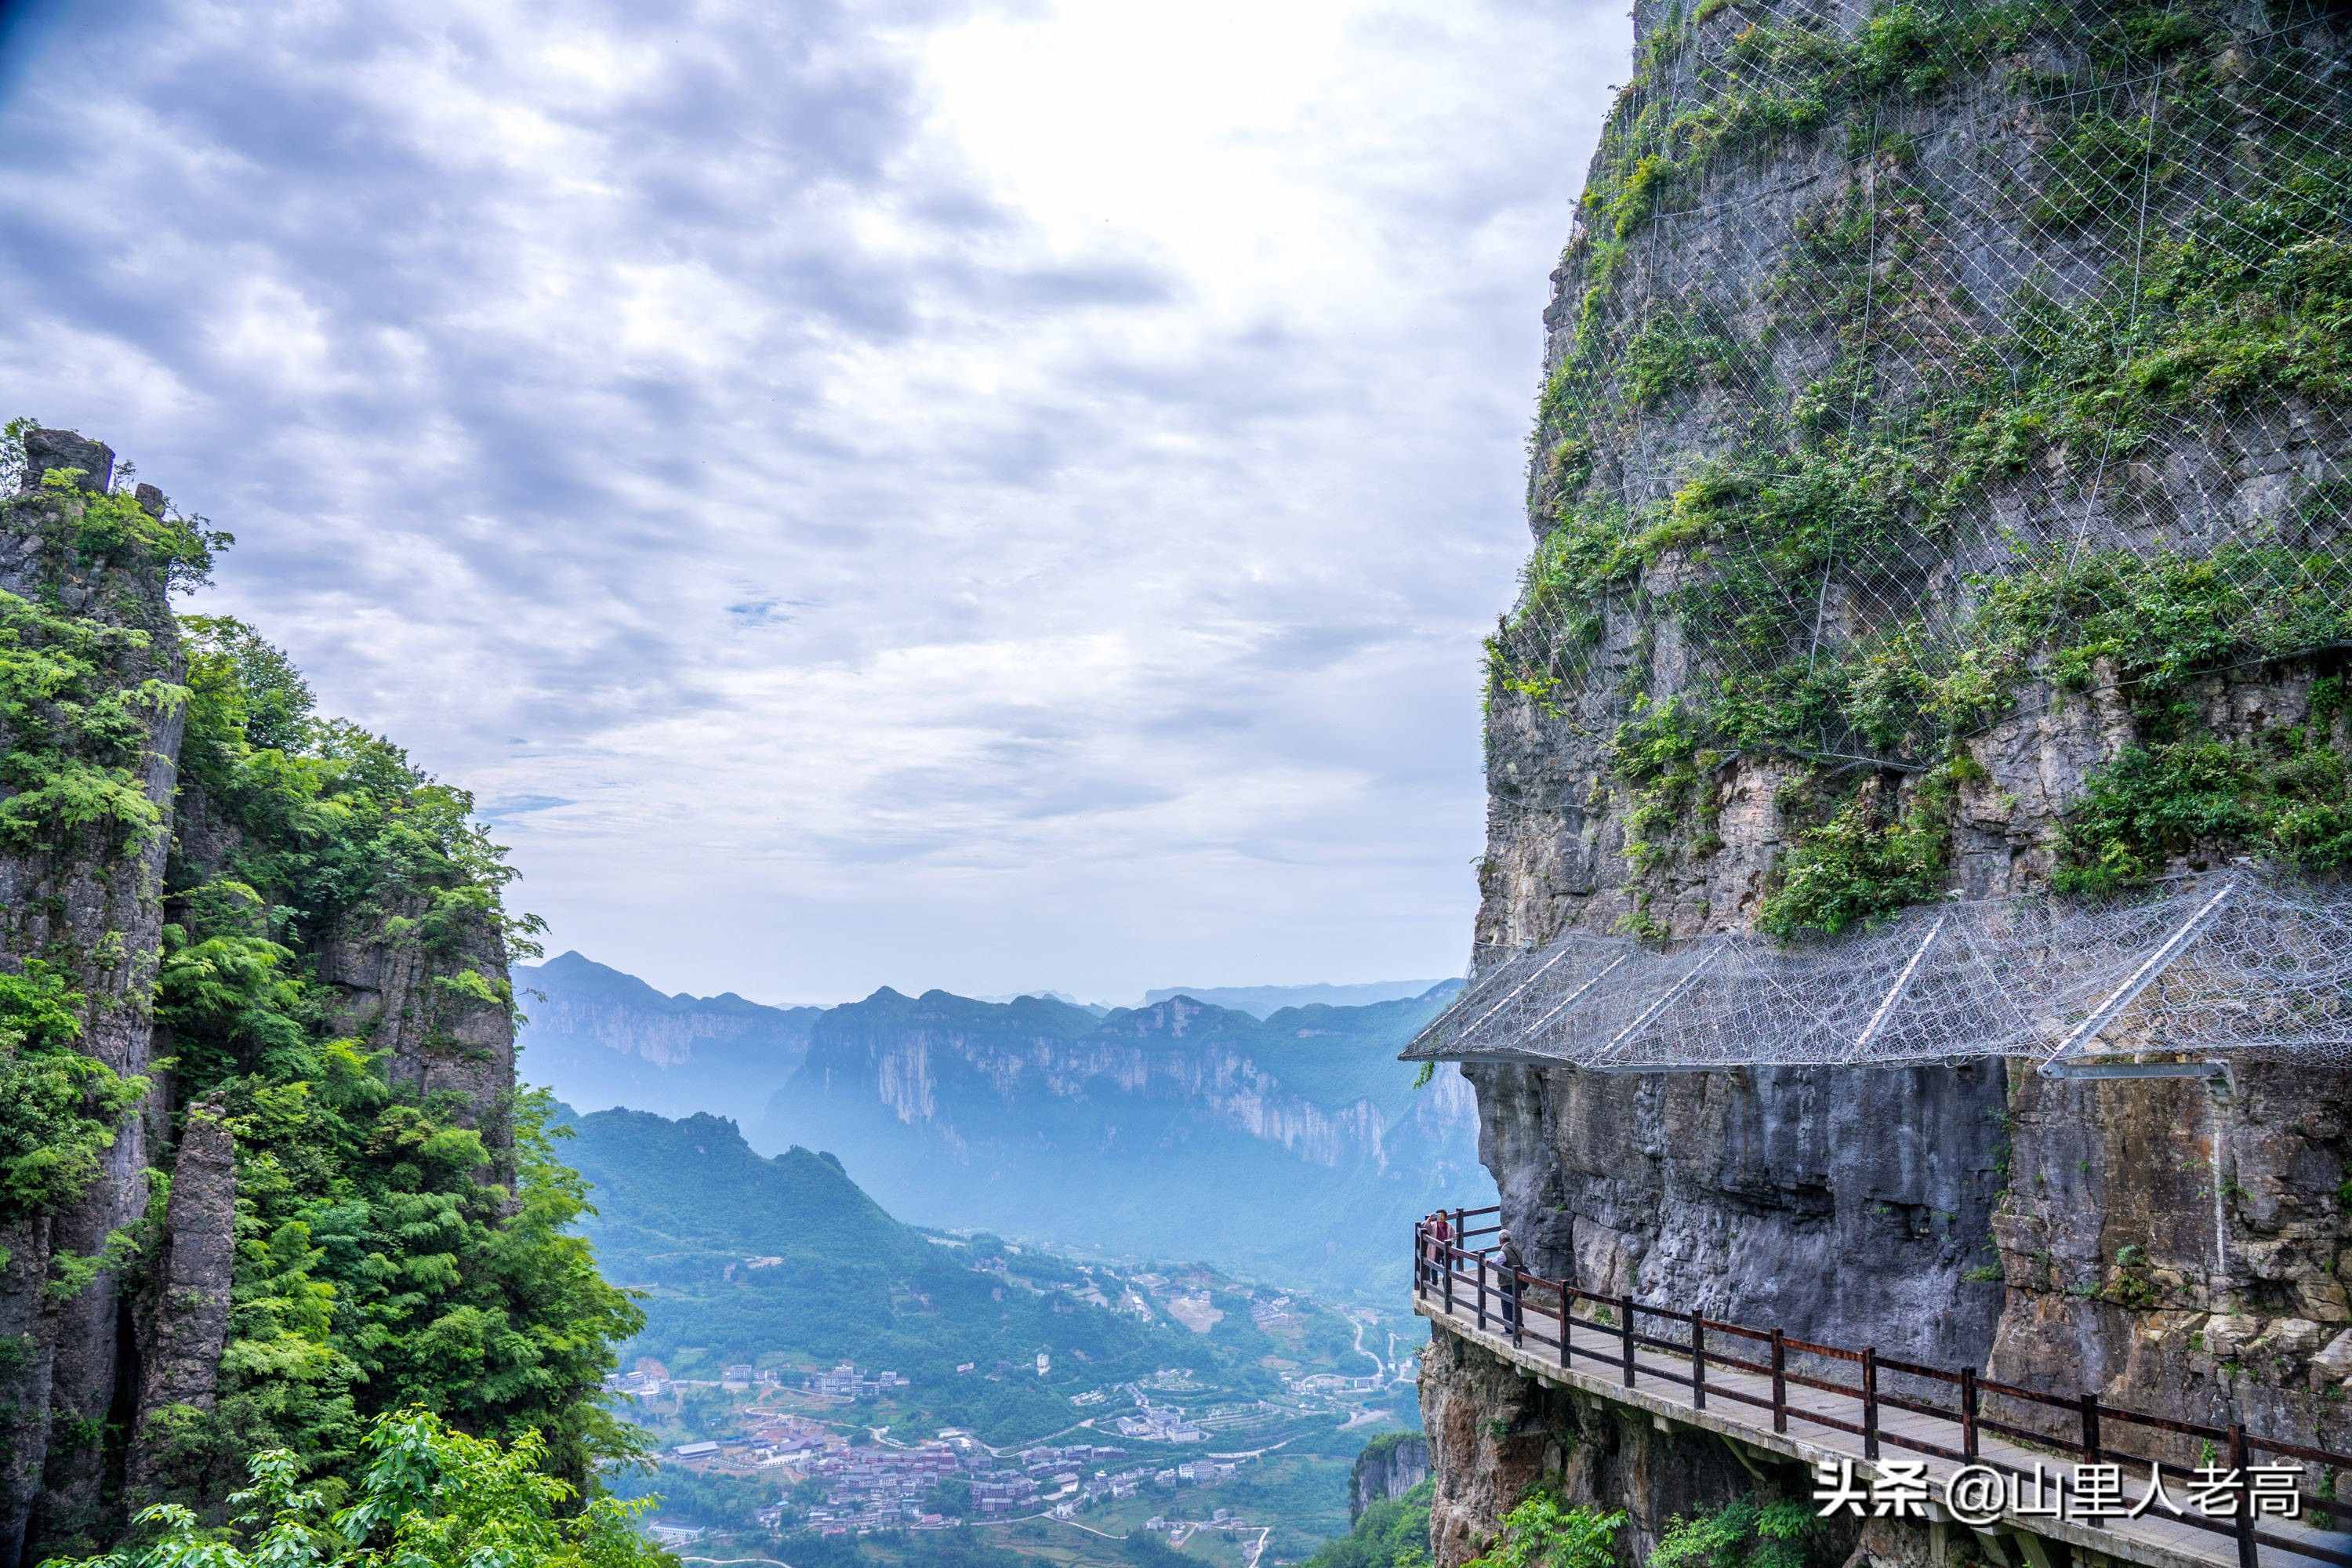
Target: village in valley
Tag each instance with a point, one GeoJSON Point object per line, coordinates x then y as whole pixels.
{"type": "Point", "coordinates": [1214, 1467]}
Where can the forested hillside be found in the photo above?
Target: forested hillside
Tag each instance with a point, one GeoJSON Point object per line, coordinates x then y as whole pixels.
{"type": "Point", "coordinates": [1294, 1147]}
{"type": "Point", "coordinates": [784, 1263]}
{"type": "Point", "coordinates": [265, 1174]}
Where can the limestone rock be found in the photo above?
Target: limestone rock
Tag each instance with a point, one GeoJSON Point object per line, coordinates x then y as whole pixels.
{"type": "Point", "coordinates": [1863, 1206]}
{"type": "Point", "coordinates": [91, 1380]}
{"type": "Point", "coordinates": [1389, 1471]}
{"type": "Point", "coordinates": [46, 449]}
{"type": "Point", "coordinates": [2227, 1334]}
{"type": "Point", "coordinates": [1497, 1432]}
{"type": "Point", "coordinates": [185, 1323]}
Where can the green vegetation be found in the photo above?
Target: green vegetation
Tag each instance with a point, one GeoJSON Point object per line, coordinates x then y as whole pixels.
{"type": "Point", "coordinates": [62, 1107]}
{"type": "Point", "coordinates": [1542, 1531]}
{"type": "Point", "coordinates": [1303, 1495]}
{"type": "Point", "coordinates": [1746, 1534]}
{"type": "Point", "coordinates": [786, 1263]}
{"type": "Point", "coordinates": [81, 693]}
{"type": "Point", "coordinates": [709, 1498]}
{"type": "Point", "coordinates": [392, 1249]}
{"type": "Point", "coordinates": [428, 1498]}
{"type": "Point", "coordinates": [78, 717]}
{"type": "Point", "coordinates": [90, 531]}
{"type": "Point", "coordinates": [80, 698]}
{"type": "Point", "coordinates": [944, 1549]}
{"type": "Point", "coordinates": [2286, 792]}
{"type": "Point", "coordinates": [1865, 861]}
{"type": "Point", "coordinates": [2241, 310]}
{"type": "Point", "coordinates": [1392, 1533]}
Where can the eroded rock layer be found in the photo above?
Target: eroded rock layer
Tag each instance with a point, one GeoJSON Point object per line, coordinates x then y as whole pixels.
{"type": "Point", "coordinates": [1896, 537]}
{"type": "Point", "coordinates": [115, 860]}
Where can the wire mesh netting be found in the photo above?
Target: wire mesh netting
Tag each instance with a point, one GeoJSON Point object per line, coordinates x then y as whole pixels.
{"type": "Point", "coordinates": [1913, 367]}
{"type": "Point", "coordinates": [1913, 358]}
{"type": "Point", "coordinates": [2245, 964]}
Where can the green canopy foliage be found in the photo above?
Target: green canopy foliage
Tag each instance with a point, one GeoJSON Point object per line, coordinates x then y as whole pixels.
{"type": "Point", "coordinates": [430, 1497]}
{"type": "Point", "coordinates": [58, 1108]}
{"type": "Point", "coordinates": [1392, 1533]}
{"type": "Point", "coordinates": [1544, 1531]}
{"type": "Point", "coordinates": [392, 1249]}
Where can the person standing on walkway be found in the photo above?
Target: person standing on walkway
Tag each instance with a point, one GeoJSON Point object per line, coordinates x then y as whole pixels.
{"type": "Point", "coordinates": [1441, 1241]}
{"type": "Point", "coordinates": [1508, 1259]}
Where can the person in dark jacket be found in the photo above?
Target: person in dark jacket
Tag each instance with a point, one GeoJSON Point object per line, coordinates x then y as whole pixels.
{"type": "Point", "coordinates": [1510, 1264]}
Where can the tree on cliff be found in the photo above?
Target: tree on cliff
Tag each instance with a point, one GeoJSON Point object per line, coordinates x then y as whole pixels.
{"type": "Point", "coordinates": [396, 1246]}
{"type": "Point", "coordinates": [265, 1172]}
{"type": "Point", "coordinates": [430, 1497]}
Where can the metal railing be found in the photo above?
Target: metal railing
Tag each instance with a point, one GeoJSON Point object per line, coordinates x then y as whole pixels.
{"type": "Point", "coordinates": [1458, 1276]}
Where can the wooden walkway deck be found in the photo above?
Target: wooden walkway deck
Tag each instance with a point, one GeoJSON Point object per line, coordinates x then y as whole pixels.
{"type": "Point", "coordinates": [1773, 1407]}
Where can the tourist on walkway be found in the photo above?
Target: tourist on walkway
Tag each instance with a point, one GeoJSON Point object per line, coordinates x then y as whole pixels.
{"type": "Point", "coordinates": [1508, 1259]}
{"type": "Point", "coordinates": [1441, 1236]}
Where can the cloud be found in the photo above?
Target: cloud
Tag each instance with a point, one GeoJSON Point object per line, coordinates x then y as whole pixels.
{"type": "Point", "coordinates": [918, 493]}
{"type": "Point", "coordinates": [500, 810]}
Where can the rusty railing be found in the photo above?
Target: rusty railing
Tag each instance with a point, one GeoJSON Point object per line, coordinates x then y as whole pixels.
{"type": "Point", "coordinates": [1456, 1274]}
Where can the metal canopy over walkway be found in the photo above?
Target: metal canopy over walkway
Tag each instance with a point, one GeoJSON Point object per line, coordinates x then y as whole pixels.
{"type": "Point", "coordinates": [2236, 966]}
{"type": "Point", "coordinates": [1813, 1404]}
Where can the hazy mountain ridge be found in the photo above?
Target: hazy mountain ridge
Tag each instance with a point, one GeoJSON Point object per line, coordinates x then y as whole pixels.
{"type": "Point", "coordinates": [1265, 1001]}
{"type": "Point", "coordinates": [605, 1039]}
{"type": "Point", "coordinates": [1290, 1145]}
{"type": "Point", "coordinates": [788, 1261]}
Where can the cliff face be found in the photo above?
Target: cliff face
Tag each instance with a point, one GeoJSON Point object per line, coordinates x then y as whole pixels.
{"type": "Point", "coordinates": [1390, 1466]}
{"type": "Point", "coordinates": [1774, 545]}
{"type": "Point", "coordinates": [86, 896]}
{"type": "Point", "coordinates": [115, 1300]}
{"type": "Point", "coordinates": [1840, 1204]}
{"type": "Point", "coordinates": [1289, 1146]}
{"type": "Point", "coordinates": [602, 1039]}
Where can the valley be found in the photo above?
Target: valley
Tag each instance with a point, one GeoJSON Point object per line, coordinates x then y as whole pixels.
{"type": "Point", "coordinates": [1291, 1147]}
{"type": "Point", "coordinates": [812, 1367]}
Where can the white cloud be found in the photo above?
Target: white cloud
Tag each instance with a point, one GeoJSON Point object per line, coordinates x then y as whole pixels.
{"type": "Point", "coordinates": [938, 497]}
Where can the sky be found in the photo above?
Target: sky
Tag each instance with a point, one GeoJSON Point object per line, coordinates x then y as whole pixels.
{"type": "Point", "coordinates": [982, 496]}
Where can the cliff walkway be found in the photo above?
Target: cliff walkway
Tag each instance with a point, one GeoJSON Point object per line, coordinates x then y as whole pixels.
{"type": "Point", "coordinates": [2035, 1462]}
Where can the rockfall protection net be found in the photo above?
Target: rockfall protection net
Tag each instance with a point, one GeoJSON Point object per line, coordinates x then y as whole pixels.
{"type": "Point", "coordinates": [1915, 358]}
{"type": "Point", "coordinates": [2242, 965]}
{"type": "Point", "coordinates": [1916, 365]}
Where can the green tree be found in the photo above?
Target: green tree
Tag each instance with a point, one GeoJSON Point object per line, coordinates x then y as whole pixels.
{"type": "Point", "coordinates": [1745, 1533]}
{"type": "Point", "coordinates": [1392, 1533]}
{"type": "Point", "coordinates": [392, 1249]}
{"type": "Point", "coordinates": [430, 1497]}
{"type": "Point", "coordinates": [1542, 1531]}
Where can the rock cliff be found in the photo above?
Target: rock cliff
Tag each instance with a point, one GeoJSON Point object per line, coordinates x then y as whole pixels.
{"type": "Point", "coordinates": [118, 1212]}
{"type": "Point", "coordinates": [602, 1039]}
{"type": "Point", "coordinates": [1288, 1146]}
{"type": "Point", "coordinates": [1391, 1466]}
{"type": "Point", "coordinates": [1807, 231]}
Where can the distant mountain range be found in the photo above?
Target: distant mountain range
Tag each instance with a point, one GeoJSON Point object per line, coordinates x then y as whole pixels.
{"type": "Point", "coordinates": [1294, 1147]}
{"type": "Point", "coordinates": [1265, 1001]}
{"type": "Point", "coordinates": [604, 1039]}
